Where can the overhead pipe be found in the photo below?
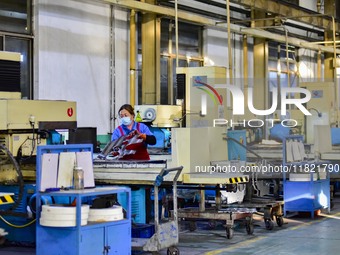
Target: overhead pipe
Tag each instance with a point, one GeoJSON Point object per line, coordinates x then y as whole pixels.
{"type": "Point", "coordinates": [280, 17]}
{"type": "Point", "coordinates": [324, 42]}
{"type": "Point", "coordinates": [144, 7]}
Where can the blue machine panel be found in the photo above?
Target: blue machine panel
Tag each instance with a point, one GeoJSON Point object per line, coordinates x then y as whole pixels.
{"type": "Point", "coordinates": [235, 151]}
{"type": "Point", "coordinates": [138, 208]}
{"type": "Point", "coordinates": [25, 235]}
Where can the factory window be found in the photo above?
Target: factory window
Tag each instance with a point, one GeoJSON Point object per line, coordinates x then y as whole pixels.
{"type": "Point", "coordinates": [16, 36]}
{"type": "Point", "coordinates": [189, 55]}
{"type": "Point", "coordinates": [15, 16]}
{"type": "Point", "coordinates": [23, 46]}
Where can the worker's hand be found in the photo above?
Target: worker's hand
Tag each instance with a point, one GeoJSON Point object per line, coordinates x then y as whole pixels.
{"type": "Point", "coordinates": [142, 136]}
{"type": "Point", "coordinates": [129, 136]}
{"type": "Point", "coordinates": [114, 153]}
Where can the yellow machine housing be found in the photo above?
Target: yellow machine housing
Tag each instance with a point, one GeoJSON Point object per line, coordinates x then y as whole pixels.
{"type": "Point", "coordinates": [19, 118]}
{"type": "Point", "coordinates": [24, 124]}
{"type": "Point", "coordinates": [163, 116]}
{"type": "Point", "coordinates": [17, 114]}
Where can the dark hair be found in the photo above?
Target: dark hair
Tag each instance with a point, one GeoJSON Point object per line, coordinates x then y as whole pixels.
{"type": "Point", "coordinates": [127, 107]}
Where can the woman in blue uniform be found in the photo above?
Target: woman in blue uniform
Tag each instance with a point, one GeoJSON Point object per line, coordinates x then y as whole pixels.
{"type": "Point", "coordinates": [128, 126]}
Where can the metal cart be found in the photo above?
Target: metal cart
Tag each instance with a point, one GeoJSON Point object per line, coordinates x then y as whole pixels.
{"type": "Point", "coordinates": [227, 214]}
{"type": "Point", "coordinates": [166, 234]}
{"type": "Point", "coordinates": [233, 212]}
{"type": "Point", "coordinates": [271, 210]}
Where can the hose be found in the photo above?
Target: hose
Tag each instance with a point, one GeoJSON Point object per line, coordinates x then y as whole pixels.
{"type": "Point", "coordinates": [20, 177]}
{"type": "Point", "coordinates": [17, 226]}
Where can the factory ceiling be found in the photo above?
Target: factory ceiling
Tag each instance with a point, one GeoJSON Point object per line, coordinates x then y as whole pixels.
{"type": "Point", "coordinates": [278, 9]}
{"type": "Point", "coordinates": [213, 14]}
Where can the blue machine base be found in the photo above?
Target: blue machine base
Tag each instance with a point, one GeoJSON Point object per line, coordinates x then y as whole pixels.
{"type": "Point", "coordinates": [25, 235]}
{"type": "Point", "coordinates": [306, 196]}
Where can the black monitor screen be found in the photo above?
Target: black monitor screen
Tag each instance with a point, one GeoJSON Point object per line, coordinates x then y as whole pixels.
{"type": "Point", "coordinates": [83, 135]}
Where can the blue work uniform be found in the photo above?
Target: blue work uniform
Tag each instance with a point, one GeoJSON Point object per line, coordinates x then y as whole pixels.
{"type": "Point", "coordinates": [141, 151]}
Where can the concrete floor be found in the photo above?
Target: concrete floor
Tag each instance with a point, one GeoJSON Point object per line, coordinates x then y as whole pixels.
{"type": "Point", "coordinates": [299, 235]}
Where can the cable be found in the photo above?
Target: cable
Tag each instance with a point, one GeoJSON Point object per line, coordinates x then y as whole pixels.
{"type": "Point", "coordinates": [32, 147]}
{"type": "Point", "coordinates": [33, 141]}
{"type": "Point", "coordinates": [20, 177]}
{"type": "Point", "coordinates": [17, 226]}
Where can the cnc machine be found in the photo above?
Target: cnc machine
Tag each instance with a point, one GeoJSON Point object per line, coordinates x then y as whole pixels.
{"type": "Point", "coordinates": [24, 125]}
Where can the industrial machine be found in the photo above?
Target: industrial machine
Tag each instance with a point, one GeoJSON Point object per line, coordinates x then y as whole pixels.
{"type": "Point", "coordinates": [24, 125]}
{"type": "Point", "coordinates": [160, 119]}
{"type": "Point", "coordinates": [322, 106]}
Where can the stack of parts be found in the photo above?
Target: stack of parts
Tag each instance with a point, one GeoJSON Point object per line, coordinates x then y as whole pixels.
{"type": "Point", "coordinates": [295, 151]}
{"type": "Point", "coordinates": [113, 213]}
{"type": "Point", "coordinates": [62, 215]}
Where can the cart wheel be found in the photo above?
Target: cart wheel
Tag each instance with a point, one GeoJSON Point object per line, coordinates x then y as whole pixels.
{"type": "Point", "coordinates": [173, 251]}
{"type": "Point", "coordinates": [212, 224]}
{"type": "Point", "coordinates": [250, 228]}
{"type": "Point", "coordinates": [230, 232]}
{"type": "Point", "coordinates": [269, 224]}
{"type": "Point", "coordinates": [192, 226]}
{"type": "Point", "coordinates": [279, 221]}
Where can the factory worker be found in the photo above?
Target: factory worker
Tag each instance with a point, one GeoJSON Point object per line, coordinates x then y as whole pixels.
{"type": "Point", "coordinates": [137, 135]}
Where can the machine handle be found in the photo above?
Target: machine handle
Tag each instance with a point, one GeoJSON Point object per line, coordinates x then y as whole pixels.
{"type": "Point", "coordinates": [164, 172]}
{"type": "Point", "coordinates": [107, 249]}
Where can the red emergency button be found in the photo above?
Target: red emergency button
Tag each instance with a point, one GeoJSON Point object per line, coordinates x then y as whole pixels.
{"type": "Point", "coordinates": [70, 111]}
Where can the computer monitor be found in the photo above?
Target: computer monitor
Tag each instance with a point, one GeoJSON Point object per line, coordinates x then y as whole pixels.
{"type": "Point", "coordinates": [83, 135]}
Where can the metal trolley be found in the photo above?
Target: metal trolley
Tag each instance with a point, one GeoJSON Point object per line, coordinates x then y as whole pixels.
{"type": "Point", "coordinates": [166, 234]}
{"type": "Point", "coordinates": [233, 212]}
{"type": "Point", "coordinates": [227, 214]}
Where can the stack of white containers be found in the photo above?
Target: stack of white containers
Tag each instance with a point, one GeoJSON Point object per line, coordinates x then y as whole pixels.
{"type": "Point", "coordinates": [62, 215]}
{"type": "Point", "coordinates": [113, 213]}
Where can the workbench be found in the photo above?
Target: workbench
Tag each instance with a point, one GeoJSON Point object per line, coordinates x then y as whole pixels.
{"type": "Point", "coordinates": [136, 172]}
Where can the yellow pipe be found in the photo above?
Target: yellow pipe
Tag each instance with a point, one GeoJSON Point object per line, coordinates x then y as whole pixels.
{"type": "Point", "coordinates": [245, 66]}
{"type": "Point", "coordinates": [176, 30]}
{"type": "Point", "coordinates": [229, 44]}
{"type": "Point", "coordinates": [133, 57]}
{"type": "Point", "coordinates": [336, 84]}
{"type": "Point", "coordinates": [324, 42]}
{"type": "Point", "coordinates": [319, 66]}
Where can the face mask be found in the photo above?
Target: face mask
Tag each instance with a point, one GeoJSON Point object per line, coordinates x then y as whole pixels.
{"type": "Point", "coordinates": [125, 121]}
